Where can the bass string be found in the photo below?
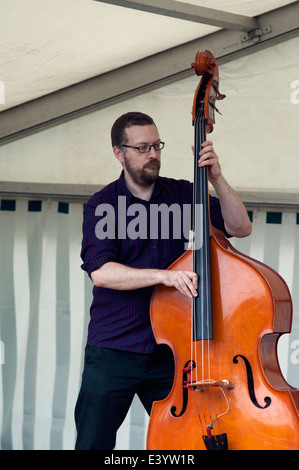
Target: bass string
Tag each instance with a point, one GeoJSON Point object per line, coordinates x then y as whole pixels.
{"type": "Point", "coordinates": [200, 137]}
{"type": "Point", "coordinates": [206, 403]}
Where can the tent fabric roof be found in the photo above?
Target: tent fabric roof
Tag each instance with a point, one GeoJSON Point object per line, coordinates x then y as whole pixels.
{"type": "Point", "coordinates": [50, 45]}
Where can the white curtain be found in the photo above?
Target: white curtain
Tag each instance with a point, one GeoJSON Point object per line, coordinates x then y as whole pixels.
{"type": "Point", "coordinates": [44, 312]}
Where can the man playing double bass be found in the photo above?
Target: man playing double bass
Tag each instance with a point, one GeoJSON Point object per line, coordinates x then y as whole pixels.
{"type": "Point", "coordinates": [121, 357]}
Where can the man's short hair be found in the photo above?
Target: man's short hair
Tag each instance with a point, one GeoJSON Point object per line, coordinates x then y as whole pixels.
{"type": "Point", "coordinates": [118, 131]}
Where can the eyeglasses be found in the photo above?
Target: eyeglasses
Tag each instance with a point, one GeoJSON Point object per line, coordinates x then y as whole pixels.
{"type": "Point", "coordinates": [146, 148]}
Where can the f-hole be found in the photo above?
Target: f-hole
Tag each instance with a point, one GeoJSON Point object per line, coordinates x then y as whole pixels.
{"type": "Point", "coordinates": [189, 366]}
{"type": "Point", "coordinates": [250, 381]}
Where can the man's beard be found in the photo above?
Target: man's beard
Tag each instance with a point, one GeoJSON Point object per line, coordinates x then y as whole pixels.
{"type": "Point", "coordinates": [145, 176]}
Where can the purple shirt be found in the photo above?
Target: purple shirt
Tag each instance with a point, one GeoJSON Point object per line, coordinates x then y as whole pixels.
{"type": "Point", "coordinates": [120, 227]}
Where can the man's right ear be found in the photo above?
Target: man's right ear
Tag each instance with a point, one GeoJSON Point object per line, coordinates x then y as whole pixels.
{"type": "Point", "coordinates": [118, 153]}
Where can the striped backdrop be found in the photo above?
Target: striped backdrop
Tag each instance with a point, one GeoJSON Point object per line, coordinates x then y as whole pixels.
{"type": "Point", "coordinates": [44, 309]}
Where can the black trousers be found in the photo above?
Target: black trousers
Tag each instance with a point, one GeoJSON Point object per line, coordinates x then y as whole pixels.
{"type": "Point", "coordinates": [110, 380]}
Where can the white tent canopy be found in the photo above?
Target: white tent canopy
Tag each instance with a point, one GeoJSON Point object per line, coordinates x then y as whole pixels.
{"type": "Point", "coordinates": [66, 60]}
{"type": "Point", "coordinates": [85, 53]}
{"type": "Point", "coordinates": [50, 45]}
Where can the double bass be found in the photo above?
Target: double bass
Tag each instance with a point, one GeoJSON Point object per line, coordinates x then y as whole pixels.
{"type": "Point", "coordinates": [228, 391]}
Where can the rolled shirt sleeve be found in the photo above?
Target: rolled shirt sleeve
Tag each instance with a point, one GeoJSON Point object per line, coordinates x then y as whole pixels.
{"type": "Point", "coordinates": [95, 252]}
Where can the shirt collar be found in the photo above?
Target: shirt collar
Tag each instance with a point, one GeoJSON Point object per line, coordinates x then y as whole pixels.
{"type": "Point", "coordinates": [157, 189]}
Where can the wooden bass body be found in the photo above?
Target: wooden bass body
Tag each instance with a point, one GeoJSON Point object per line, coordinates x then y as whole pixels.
{"type": "Point", "coordinates": [259, 409]}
